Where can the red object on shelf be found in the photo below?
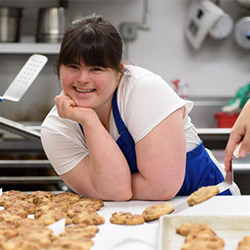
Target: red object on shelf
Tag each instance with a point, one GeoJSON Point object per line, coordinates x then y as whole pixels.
{"type": "Point", "coordinates": [225, 120]}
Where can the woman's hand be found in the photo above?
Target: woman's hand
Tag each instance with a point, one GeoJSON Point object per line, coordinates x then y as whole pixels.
{"type": "Point", "coordinates": [240, 132]}
{"type": "Point", "coordinates": [67, 108]}
{"type": "Point", "coordinates": [65, 105]}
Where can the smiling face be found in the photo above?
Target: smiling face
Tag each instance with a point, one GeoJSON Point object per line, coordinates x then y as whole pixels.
{"type": "Point", "coordinates": [89, 86]}
{"type": "Point", "coordinates": [89, 62]}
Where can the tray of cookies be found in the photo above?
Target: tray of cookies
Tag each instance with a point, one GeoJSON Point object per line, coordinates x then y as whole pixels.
{"type": "Point", "coordinates": [45, 220]}
{"type": "Point", "coordinates": [221, 232]}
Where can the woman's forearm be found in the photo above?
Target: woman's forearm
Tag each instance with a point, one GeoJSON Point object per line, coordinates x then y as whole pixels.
{"type": "Point", "coordinates": [146, 189]}
{"type": "Point", "coordinates": [108, 168]}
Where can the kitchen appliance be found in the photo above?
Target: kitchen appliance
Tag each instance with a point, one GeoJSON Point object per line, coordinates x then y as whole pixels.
{"type": "Point", "coordinates": [25, 78]}
{"type": "Point", "coordinates": [10, 20]}
{"type": "Point", "coordinates": [242, 32]}
{"type": "Point", "coordinates": [52, 23]}
{"type": "Point", "coordinates": [205, 17]}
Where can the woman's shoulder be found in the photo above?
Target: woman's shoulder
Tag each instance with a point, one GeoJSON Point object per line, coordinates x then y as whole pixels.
{"type": "Point", "coordinates": [138, 77]}
{"type": "Point", "coordinates": [138, 72]}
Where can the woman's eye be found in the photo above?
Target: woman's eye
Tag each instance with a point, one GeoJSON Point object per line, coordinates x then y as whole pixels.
{"type": "Point", "coordinates": [73, 66]}
{"type": "Point", "coordinates": [96, 69]}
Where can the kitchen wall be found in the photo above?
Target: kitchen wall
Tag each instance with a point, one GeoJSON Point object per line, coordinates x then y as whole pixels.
{"type": "Point", "coordinates": [218, 69]}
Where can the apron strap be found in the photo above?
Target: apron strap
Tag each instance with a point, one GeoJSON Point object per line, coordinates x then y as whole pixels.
{"type": "Point", "coordinates": [125, 141]}
{"type": "Point", "coordinates": [118, 120]}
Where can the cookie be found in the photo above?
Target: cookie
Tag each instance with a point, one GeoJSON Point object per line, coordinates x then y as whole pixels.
{"type": "Point", "coordinates": [88, 218]}
{"type": "Point", "coordinates": [193, 227]}
{"type": "Point", "coordinates": [126, 218]}
{"type": "Point", "coordinates": [7, 230]}
{"type": "Point", "coordinates": [21, 244]}
{"type": "Point", "coordinates": [10, 218]}
{"type": "Point", "coordinates": [156, 211]}
{"type": "Point", "coordinates": [40, 197]}
{"type": "Point", "coordinates": [202, 194]}
{"type": "Point", "coordinates": [41, 238]}
{"type": "Point", "coordinates": [244, 243]}
{"type": "Point", "coordinates": [205, 236]}
{"type": "Point", "coordinates": [21, 204]}
{"type": "Point", "coordinates": [72, 211]}
{"type": "Point", "coordinates": [90, 202]}
{"type": "Point", "coordinates": [15, 193]}
{"type": "Point", "coordinates": [79, 244]}
{"type": "Point", "coordinates": [201, 245]}
{"type": "Point", "coordinates": [18, 211]}
{"type": "Point", "coordinates": [49, 217]}
{"type": "Point", "coordinates": [80, 230]}
{"type": "Point", "coordinates": [12, 195]}
{"type": "Point", "coordinates": [31, 224]}
{"type": "Point", "coordinates": [66, 199]}
{"type": "Point", "coordinates": [51, 206]}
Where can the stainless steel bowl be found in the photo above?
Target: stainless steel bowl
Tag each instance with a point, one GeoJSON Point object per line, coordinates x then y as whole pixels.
{"type": "Point", "coordinates": [10, 24]}
{"type": "Point", "coordinates": [52, 23]}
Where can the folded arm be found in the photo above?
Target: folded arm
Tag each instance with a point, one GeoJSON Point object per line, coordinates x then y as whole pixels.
{"type": "Point", "coordinates": [161, 159]}
{"type": "Point", "coordinates": [104, 172]}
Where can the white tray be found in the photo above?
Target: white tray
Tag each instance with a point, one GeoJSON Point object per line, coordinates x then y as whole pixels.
{"type": "Point", "coordinates": [229, 227]}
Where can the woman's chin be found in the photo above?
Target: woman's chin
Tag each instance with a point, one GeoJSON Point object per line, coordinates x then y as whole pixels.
{"type": "Point", "coordinates": [83, 104]}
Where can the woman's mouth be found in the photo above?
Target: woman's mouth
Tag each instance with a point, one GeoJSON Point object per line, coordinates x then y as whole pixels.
{"type": "Point", "coordinates": [84, 90]}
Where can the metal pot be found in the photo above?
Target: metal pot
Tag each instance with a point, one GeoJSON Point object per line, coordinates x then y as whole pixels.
{"type": "Point", "coordinates": [10, 24]}
{"type": "Point", "coordinates": [52, 23]}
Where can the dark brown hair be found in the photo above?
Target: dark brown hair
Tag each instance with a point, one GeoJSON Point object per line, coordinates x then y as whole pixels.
{"type": "Point", "coordinates": [94, 40]}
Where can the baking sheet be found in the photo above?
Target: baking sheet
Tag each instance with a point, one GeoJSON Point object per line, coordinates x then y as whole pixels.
{"type": "Point", "coordinates": [229, 227]}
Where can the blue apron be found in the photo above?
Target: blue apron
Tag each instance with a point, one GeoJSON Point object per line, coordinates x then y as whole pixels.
{"type": "Point", "coordinates": [200, 169]}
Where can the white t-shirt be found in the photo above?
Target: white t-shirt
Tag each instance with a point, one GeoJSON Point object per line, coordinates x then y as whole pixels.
{"type": "Point", "coordinates": [144, 99]}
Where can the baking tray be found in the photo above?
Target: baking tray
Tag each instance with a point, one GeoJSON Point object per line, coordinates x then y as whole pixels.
{"type": "Point", "coordinates": [231, 228]}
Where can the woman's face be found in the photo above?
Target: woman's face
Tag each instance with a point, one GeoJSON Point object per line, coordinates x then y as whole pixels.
{"type": "Point", "coordinates": [89, 86]}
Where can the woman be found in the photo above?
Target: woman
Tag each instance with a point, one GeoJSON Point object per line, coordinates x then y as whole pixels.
{"type": "Point", "coordinates": [240, 132]}
{"type": "Point", "coordinates": [119, 132]}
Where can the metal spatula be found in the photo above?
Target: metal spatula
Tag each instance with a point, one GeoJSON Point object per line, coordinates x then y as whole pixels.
{"type": "Point", "coordinates": [230, 174]}
{"type": "Point", "coordinates": [24, 78]}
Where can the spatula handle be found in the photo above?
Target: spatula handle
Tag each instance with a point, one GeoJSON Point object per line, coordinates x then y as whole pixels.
{"type": "Point", "coordinates": [236, 153]}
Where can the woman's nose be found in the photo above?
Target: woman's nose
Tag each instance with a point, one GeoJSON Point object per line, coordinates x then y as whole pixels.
{"type": "Point", "coordinates": [83, 76]}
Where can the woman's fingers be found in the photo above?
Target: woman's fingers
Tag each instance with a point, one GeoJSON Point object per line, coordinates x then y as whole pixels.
{"type": "Point", "coordinates": [231, 145]}
{"type": "Point", "coordinates": [245, 146]}
{"type": "Point", "coordinates": [65, 105]}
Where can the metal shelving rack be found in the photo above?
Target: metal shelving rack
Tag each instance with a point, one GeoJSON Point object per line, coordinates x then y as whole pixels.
{"type": "Point", "coordinates": [29, 48]}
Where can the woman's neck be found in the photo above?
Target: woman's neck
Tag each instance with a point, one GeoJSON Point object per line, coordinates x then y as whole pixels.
{"type": "Point", "coordinates": [104, 115]}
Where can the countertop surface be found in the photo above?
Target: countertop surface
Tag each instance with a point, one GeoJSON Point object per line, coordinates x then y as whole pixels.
{"type": "Point", "coordinates": [146, 236]}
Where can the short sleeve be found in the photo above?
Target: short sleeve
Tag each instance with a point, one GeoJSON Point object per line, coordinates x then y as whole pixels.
{"type": "Point", "coordinates": [150, 102]}
{"type": "Point", "coordinates": [63, 143]}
